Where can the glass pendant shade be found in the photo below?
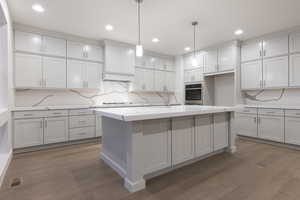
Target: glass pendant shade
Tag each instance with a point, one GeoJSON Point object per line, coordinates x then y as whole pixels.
{"type": "Point", "coordinates": [139, 50]}
{"type": "Point", "coordinates": [194, 62]}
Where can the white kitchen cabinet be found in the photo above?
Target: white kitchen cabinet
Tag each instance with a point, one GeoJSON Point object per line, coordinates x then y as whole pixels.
{"type": "Point", "coordinates": [54, 46]}
{"type": "Point", "coordinates": [93, 75]}
{"type": "Point", "coordinates": [203, 135]}
{"type": "Point", "coordinates": [227, 57]}
{"type": "Point", "coordinates": [28, 42]}
{"type": "Point", "coordinates": [159, 81]}
{"type": "Point", "coordinates": [292, 127]}
{"type": "Point", "coordinates": [141, 61]}
{"type": "Point", "coordinates": [168, 64]}
{"type": "Point", "coordinates": [251, 50]}
{"type": "Point", "coordinates": [275, 46]}
{"type": "Point", "coordinates": [246, 124]}
{"type": "Point", "coordinates": [211, 60]}
{"type": "Point", "coordinates": [295, 42]}
{"type": "Point", "coordinates": [54, 72]}
{"type": "Point", "coordinates": [75, 72]}
{"type": "Point", "coordinates": [220, 131]}
{"type": "Point", "coordinates": [75, 50]}
{"type": "Point", "coordinates": [119, 62]}
{"type": "Point", "coordinates": [81, 133]}
{"type": "Point", "coordinates": [28, 70]}
{"type": "Point", "coordinates": [151, 61]}
{"type": "Point", "coordinates": [82, 51]}
{"type": "Point", "coordinates": [94, 53]}
{"type": "Point", "coordinates": [81, 74]}
{"type": "Point", "coordinates": [144, 80]}
{"type": "Point", "coordinates": [170, 81]}
{"type": "Point", "coordinates": [251, 75]}
{"type": "Point", "coordinates": [294, 70]}
{"type": "Point", "coordinates": [271, 128]}
{"type": "Point", "coordinates": [195, 75]}
{"type": "Point", "coordinates": [157, 134]}
{"type": "Point", "coordinates": [28, 132]}
{"type": "Point", "coordinates": [55, 129]}
{"type": "Point", "coordinates": [98, 126]}
{"type": "Point", "coordinates": [183, 140]}
{"type": "Point", "coordinates": [275, 72]}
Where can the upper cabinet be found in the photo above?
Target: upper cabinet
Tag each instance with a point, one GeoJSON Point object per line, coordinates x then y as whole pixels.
{"type": "Point", "coordinates": [275, 46]}
{"type": "Point", "coordinates": [34, 43]}
{"type": "Point", "coordinates": [227, 57]}
{"type": "Point", "coordinates": [155, 62]}
{"type": "Point", "coordinates": [82, 51]}
{"type": "Point", "coordinates": [295, 42]}
{"type": "Point", "coordinates": [119, 62]}
{"type": "Point", "coordinates": [211, 60]}
{"type": "Point", "coordinates": [251, 50]}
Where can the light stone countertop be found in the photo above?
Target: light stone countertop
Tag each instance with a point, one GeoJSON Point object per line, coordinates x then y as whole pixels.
{"type": "Point", "coordinates": [284, 107]}
{"type": "Point", "coordinates": [148, 113]}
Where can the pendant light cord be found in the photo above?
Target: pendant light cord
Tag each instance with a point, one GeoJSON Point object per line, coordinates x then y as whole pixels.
{"type": "Point", "coordinates": [139, 21]}
{"type": "Point", "coordinates": [194, 41]}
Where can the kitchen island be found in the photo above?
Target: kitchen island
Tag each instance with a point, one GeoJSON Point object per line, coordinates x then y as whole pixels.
{"type": "Point", "coordinates": [143, 142]}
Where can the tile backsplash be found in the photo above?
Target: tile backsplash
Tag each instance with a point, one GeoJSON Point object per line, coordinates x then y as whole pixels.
{"type": "Point", "coordinates": [110, 92]}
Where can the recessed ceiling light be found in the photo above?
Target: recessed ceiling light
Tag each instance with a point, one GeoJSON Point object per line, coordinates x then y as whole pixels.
{"type": "Point", "coordinates": [155, 40]}
{"type": "Point", "coordinates": [38, 8]}
{"type": "Point", "coordinates": [239, 32]}
{"type": "Point", "coordinates": [187, 48]}
{"type": "Point", "coordinates": [109, 27]}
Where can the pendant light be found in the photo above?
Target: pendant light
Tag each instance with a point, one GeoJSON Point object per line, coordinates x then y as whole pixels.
{"type": "Point", "coordinates": [194, 60]}
{"type": "Point", "coordinates": [139, 48]}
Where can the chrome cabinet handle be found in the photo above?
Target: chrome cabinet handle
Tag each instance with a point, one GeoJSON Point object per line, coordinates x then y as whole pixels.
{"type": "Point", "coordinates": [27, 115]}
{"type": "Point", "coordinates": [265, 52]}
{"type": "Point", "coordinates": [254, 119]}
{"type": "Point", "coordinates": [46, 124]}
{"type": "Point", "coordinates": [260, 54]}
{"type": "Point", "coordinates": [41, 124]}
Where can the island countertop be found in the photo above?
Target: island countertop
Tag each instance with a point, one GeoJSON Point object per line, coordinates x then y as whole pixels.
{"type": "Point", "coordinates": [158, 112]}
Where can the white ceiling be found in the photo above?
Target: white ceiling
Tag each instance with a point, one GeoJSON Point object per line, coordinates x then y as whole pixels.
{"type": "Point", "coordinates": [169, 20]}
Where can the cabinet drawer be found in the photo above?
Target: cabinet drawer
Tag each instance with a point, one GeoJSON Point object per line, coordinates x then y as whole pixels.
{"type": "Point", "coordinates": [81, 133]}
{"type": "Point", "coordinates": [29, 114]}
{"type": "Point", "coordinates": [292, 113]}
{"type": "Point", "coordinates": [269, 111]}
{"type": "Point", "coordinates": [57, 113]}
{"type": "Point", "coordinates": [82, 121]}
{"type": "Point", "coordinates": [247, 110]}
{"type": "Point", "coordinates": [81, 112]}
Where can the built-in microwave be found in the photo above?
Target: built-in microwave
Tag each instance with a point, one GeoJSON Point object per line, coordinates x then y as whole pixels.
{"type": "Point", "coordinates": [193, 94]}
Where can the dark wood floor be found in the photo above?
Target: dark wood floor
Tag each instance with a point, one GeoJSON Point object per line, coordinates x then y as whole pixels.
{"type": "Point", "coordinates": [255, 172]}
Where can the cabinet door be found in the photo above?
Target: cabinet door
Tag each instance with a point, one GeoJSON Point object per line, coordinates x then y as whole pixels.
{"type": "Point", "coordinates": [292, 127]}
{"type": "Point", "coordinates": [183, 139]}
{"type": "Point", "coordinates": [144, 80]}
{"type": "Point", "coordinates": [275, 72]}
{"type": "Point", "coordinates": [28, 70]}
{"type": "Point", "coordinates": [271, 128]}
{"type": "Point", "coordinates": [28, 132]}
{"type": "Point", "coordinates": [170, 81]}
{"type": "Point", "coordinates": [246, 124]}
{"type": "Point", "coordinates": [56, 130]}
{"type": "Point", "coordinates": [251, 75]}
{"type": "Point", "coordinates": [98, 126]}
{"type": "Point", "coordinates": [55, 72]}
{"type": "Point", "coordinates": [93, 75]}
{"type": "Point", "coordinates": [28, 42]}
{"type": "Point", "coordinates": [54, 46]}
{"type": "Point", "coordinates": [75, 73]}
{"type": "Point", "coordinates": [294, 70]}
{"type": "Point", "coordinates": [227, 57]}
{"type": "Point", "coordinates": [187, 60]}
{"type": "Point", "coordinates": [211, 61]}
{"type": "Point", "coordinates": [169, 64]}
{"type": "Point", "coordinates": [159, 81]}
{"type": "Point", "coordinates": [156, 133]}
{"type": "Point", "coordinates": [251, 51]}
{"type": "Point", "coordinates": [203, 135]}
{"type": "Point", "coordinates": [295, 42]}
{"type": "Point", "coordinates": [275, 46]}
{"type": "Point", "coordinates": [75, 50]}
{"type": "Point", "coordinates": [220, 131]}
{"type": "Point", "coordinates": [194, 75]}
{"type": "Point", "coordinates": [141, 61]}
{"type": "Point", "coordinates": [94, 53]}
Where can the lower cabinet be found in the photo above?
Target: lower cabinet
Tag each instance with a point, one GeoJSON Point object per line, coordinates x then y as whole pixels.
{"type": "Point", "coordinates": [183, 137]}
{"type": "Point", "coordinates": [81, 133]}
{"type": "Point", "coordinates": [292, 127]}
{"type": "Point", "coordinates": [157, 145]}
{"type": "Point", "coordinates": [220, 131]}
{"type": "Point", "coordinates": [28, 132]}
{"type": "Point", "coordinates": [271, 128]}
{"type": "Point", "coordinates": [203, 135]}
{"type": "Point", "coordinates": [246, 124]}
{"type": "Point", "coordinates": [56, 129]}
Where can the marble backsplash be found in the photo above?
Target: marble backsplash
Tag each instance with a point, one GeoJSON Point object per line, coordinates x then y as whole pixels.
{"type": "Point", "coordinates": [110, 92]}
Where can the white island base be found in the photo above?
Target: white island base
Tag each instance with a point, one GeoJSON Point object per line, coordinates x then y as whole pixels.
{"type": "Point", "coordinates": [140, 145]}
